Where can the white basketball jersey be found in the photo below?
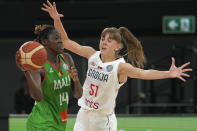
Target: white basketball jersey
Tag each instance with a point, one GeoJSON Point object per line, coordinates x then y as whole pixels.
{"type": "Point", "coordinates": [101, 86]}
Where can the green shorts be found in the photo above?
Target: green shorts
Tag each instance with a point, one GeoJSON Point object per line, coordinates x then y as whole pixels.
{"type": "Point", "coordinates": [30, 127]}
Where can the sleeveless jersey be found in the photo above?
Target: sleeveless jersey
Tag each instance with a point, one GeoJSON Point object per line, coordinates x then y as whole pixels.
{"type": "Point", "coordinates": [52, 110]}
{"type": "Point", "coordinates": [101, 86]}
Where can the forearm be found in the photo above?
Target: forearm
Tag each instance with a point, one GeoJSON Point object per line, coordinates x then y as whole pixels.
{"type": "Point", "coordinates": [33, 87]}
{"type": "Point", "coordinates": [154, 74]}
{"type": "Point", "coordinates": [59, 26]}
{"type": "Point", "coordinates": [67, 43]}
{"type": "Point", "coordinates": [77, 89]}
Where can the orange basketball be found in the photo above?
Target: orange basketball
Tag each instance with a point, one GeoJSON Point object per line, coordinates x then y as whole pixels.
{"type": "Point", "coordinates": [33, 55]}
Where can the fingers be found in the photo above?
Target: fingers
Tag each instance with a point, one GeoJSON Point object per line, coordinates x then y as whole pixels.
{"type": "Point", "coordinates": [181, 78]}
{"type": "Point", "coordinates": [54, 5]}
{"type": "Point", "coordinates": [44, 9]}
{"type": "Point", "coordinates": [61, 15]}
{"type": "Point", "coordinates": [184, 65]}
{"type": "Point", "coordinates": [185, 70]}
{"type": "Point", "coordinates": [184, 74]}
{"type": "Point", "coordinates": [18, 61]}
{"type": "Point", "coordinates": [73, 68]}
{"type": "Point", "coordinates": [18, 56]}
{"type": "Point", "coordinates": [49, 3]}
{"type": "Point", "coordinates": [46, 6]}
{"type": "Point", "coordinates": [69, 71]}
{"type": "Point", "coordinates": [173, 61]}
{"type": "Point", "coordinates": [72, 71]}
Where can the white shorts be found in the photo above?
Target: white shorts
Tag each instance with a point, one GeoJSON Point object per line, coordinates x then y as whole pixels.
{"type": "Point", "coordinates": [93, 121]}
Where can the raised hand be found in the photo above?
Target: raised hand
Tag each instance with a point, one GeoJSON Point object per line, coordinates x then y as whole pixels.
{"type": "Point", "coordinates": [51, 9]}
{"type": "Point", "coordinates": [179, 72]}
{"type": "Point", "coordinates": [73, 74]}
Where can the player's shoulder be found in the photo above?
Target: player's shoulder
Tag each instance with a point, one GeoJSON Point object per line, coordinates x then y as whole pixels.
{"type": "Point", "coordinates": [66, 54]}
{"type": "Point", "coordinates": [124, 67]}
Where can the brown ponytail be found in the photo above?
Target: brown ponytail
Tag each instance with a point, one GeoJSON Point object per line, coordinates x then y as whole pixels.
{"type": "Point", "coordinates": [135, 51]}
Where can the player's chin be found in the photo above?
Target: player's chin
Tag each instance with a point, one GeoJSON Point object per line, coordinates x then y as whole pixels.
{"type": "Point", "coordinates": [60, 51]}
{"type": "Point", "coordinates": [103, 52]}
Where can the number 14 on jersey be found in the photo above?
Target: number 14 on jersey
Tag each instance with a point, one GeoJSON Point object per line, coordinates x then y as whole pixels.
{"type": "Point", "coordinates": [64, 97]}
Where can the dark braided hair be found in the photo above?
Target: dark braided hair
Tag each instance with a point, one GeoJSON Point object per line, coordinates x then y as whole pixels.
{"type": "Point", "coordinates": [42, 32]}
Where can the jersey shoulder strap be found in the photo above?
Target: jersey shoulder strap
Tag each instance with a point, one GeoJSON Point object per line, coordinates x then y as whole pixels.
{"type": "Point", "coordinates": [62, 56]}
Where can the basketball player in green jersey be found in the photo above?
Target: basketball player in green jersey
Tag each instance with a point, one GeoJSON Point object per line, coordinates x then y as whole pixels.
{"type": "Point", "coordinates": [50, 85]}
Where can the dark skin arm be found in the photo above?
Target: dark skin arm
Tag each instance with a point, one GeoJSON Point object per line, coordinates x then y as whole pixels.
{"type": "Point", "coordinates": [34, 84]}
{"type": "Point", "coordinates": [76, 85]}
{"type": "Point", "coordinates": [33, 80]}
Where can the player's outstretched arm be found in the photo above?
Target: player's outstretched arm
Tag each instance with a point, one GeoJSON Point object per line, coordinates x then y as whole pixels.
{"type": "Point", "coordinates": [174, 72]}
{"type": "Point", "coordinates": [84, 51]}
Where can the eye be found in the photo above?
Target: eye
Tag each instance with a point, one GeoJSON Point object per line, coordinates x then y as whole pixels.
{"type": "Point", "coordinates": [56, 38]}
{"type": "Point", "coordinates": [109, 40]}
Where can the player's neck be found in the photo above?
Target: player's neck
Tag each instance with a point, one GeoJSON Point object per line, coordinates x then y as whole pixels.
{"type": "Point", "coordinates": [54, 60]}
{"type": "Point", "coordinates": [105, 58]}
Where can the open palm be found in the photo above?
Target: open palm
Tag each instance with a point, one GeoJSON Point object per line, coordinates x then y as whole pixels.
{"type": "Point", "coordinates": [179, 72]}
{"type": "Point", "coordinates": [51, 9]}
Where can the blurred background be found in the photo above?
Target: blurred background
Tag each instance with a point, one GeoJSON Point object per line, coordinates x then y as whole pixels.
{"type": "Point", "coordinates": [165, 28]}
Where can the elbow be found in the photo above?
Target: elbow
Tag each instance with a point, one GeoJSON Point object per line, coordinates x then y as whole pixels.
{"type": "Point", "coordinates": [78, 96]}
{"type": "Point", "coordinates": [37, 97]}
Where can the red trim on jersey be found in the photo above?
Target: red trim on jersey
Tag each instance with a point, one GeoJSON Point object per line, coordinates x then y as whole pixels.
{"type": "Point", "coordinates": [45, 72]}
{"type": "Point", "coordinates": [55, 66]}
{"type": "Point", "coordinates": [66, 60]}
{"type": "Point", "coordinates": [63, 115]}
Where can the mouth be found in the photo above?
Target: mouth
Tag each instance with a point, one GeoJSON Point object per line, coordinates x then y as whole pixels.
{"type": "Point", "coordinates": [60, 46]}
{"type": "Point", "coordinates": [103, 48]}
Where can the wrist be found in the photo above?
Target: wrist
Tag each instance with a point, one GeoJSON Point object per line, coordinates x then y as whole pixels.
{"type": "Point", "coordinates": [169, 74]}
{"type": "Point", "coordinates": [57, 18]}
{"type": "Point", "coordinates": [76, 80]}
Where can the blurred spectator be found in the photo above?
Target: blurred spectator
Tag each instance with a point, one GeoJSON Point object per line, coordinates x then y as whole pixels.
{"type": "Point", "coordinates": [23, 103]}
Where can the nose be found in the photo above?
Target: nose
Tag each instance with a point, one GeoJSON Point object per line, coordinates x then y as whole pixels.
{"type": "Point", "coordinates": [59, 42]}
{"type": "Point", "coordinates": [104, 42]}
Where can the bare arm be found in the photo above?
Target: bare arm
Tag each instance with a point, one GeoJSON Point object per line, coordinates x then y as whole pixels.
{"type": "Point", "coordinates": [76, 85]}
{"type": "Point", "coordinates": [84, 51]}
{"type": "Point", "coordinates": [174, 72]}
{"type": "Point", "coordinates": [33, 80]}
{"type": "Point", "coordinates": [34, 84]}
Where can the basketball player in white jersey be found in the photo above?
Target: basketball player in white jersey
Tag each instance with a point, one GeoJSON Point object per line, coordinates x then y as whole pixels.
{"type": "Point", "coordinates": [107, 71]}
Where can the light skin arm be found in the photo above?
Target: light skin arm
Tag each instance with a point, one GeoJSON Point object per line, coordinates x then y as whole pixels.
{"type": "Point", "coordinates": [85, 51]}
{"type": "Point", "coordinates": [127, 70]}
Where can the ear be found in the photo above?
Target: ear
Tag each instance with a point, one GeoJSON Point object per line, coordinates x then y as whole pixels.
{"type": "Point", "coordinates": [44, 42]}
{"type": "Point", "coordinates": [119, 46]}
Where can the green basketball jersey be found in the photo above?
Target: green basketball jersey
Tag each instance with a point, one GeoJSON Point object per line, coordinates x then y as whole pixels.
{"type": "Point", "coordinates": [52, 110]}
